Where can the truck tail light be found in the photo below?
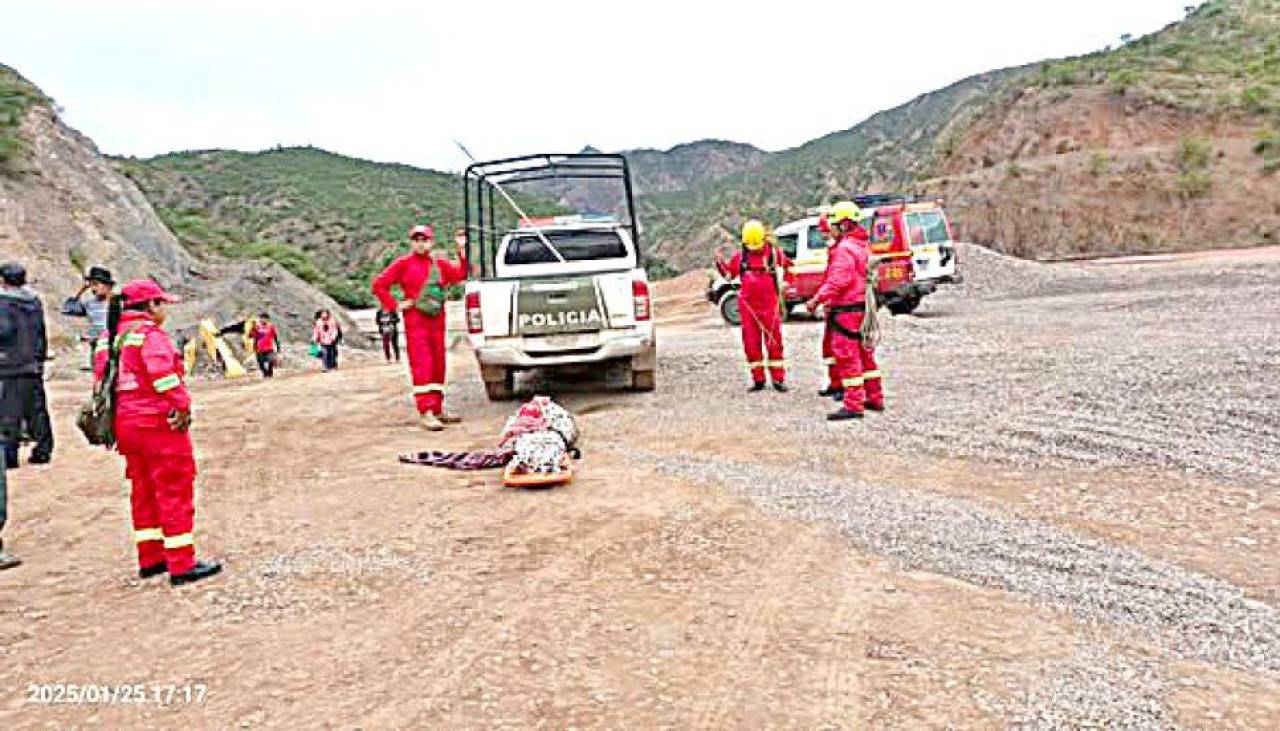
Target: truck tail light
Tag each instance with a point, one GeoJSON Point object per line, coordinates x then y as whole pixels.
{"type": "Point", "coordinates": [475, 322]}
{"type": "Point", "coordinates": [640, 294]}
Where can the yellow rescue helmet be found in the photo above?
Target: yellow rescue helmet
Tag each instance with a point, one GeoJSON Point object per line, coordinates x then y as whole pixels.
{"type": "Point", "coordinates": [845, 211]}
{"type": "Point", "coordinates": [753, 234]}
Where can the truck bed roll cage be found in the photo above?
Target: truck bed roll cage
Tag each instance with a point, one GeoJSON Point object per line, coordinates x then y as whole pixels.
{"type": "Point", "coordinates": [481, 179]}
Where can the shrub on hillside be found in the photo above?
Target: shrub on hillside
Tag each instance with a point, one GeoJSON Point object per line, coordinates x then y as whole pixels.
{"type": "Point", "coordinates": [16, 98]}
{"type": "Point", "coordinates": [1099, 164]}
{"type": "Point", "coordinates": [348, 293]}
{"type": "Point", "coordinates": [290, 257]}
{"type": "Point", "coordinates": [1268, 148]}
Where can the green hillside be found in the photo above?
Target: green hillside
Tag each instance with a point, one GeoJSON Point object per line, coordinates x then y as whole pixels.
{"type": "Point", "coordinates": [17, 95]}
{"type": "Point", "coordinates": [888, 150]}
{"type": "Point", "coordinates": [1224, 57]}
{"type": "Point", "coordinates": [329, 218]}
{"type": "Point", "coordinates": [1222, 62]}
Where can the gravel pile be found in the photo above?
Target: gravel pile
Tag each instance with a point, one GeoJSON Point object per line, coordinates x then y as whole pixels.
{"type": "Point", "coordinates": [989, 274]}
{"type": "Point", "coordinates": [1097, 688]}
{"type": "Point", "coordinates": [1193, 615]}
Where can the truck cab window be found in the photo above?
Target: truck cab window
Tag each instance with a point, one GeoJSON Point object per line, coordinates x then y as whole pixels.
{"type": "Point", "coordinates": [788, 244]}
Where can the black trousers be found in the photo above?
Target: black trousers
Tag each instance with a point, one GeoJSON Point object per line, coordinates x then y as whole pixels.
{"type": "Point", "coordinates": [4, 493]}
{"type": "Point", "coordinates": [267, 363]}
{"type": "Point", "coordinates": [329, 356]}
{"type": "Point", "coordinates": [24, 411]}
{"type": "Point", "coordinates": [391, 343]}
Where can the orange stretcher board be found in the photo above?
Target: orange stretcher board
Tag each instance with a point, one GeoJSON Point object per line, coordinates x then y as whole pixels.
{"type": "Point", "coordinates": [511, 478]}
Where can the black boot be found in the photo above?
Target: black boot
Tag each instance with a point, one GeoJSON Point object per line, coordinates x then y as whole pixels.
{"type": "Point", "coordinates": [146, 572]}
{"type": "Point", "coordinates": [838, 395]}
{"type": "Point", "coordinates": [39, 458]}
{"type": "Point", "coordinates": [874, 407]}
{"type": "Point", "coordinates": [844, 415]}
{"type": "Point", "coordinates": [780, 387]}
{"type": "Point", "coordinates": [202, 570]}
{"type": "Point", "coordinates": [756, 387]}
{"type": "Point", "coordinates": [830, 391]}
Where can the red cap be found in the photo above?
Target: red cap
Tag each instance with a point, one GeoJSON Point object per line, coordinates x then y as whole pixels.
{"type": "Point", "coordinates": [423, 231]}
{"type": "Point", "coordinates": [144, 290]}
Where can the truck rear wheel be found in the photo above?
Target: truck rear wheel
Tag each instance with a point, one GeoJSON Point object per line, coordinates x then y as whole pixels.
{"type": "Point", "coordinates": [729, 309]}
{"type": "Point", "coordinates": [903, 305]}
{"type": "Point", "coordinates": [499, 383]}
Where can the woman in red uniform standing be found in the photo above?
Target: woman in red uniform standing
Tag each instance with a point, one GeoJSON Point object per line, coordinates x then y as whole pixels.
{"type": "Point", "coordinates": [423, 278]}
{"type": "Point", "coordinates": [757, 266]}
{"type": "Point", "coordinates": [153, 416]}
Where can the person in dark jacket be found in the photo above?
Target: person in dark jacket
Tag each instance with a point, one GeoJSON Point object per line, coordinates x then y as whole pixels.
{"type": "Point", "coordinates": [24, 348]}
{"type": "Point", "coordinates": [23, 413]}
{"type": "Point", "coordinates": [389, 329]}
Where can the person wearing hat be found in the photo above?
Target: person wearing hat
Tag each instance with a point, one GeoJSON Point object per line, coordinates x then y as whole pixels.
{"type": "Point", "coordinates": [843, 295]}
{"type": "Point", "coordinates": [99, 284]}
{"type": "Point", "coordinates": [424, 278]}
{"type": "Point", "coordinates": [152, 422]}
{"type": "Point", "coordinates": [757, 266]}
{"type": "Point", "coordinates": [23, 350]}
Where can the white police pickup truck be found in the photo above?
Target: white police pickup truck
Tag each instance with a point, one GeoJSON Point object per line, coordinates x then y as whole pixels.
{"type": "Point", "coordinates": [557, 292]}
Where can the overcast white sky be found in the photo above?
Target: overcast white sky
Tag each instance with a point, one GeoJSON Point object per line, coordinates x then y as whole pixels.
{"type": "Point", "coordinates": [398, 81]}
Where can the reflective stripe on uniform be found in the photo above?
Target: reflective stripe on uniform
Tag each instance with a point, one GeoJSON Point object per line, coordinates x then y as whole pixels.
{"type": "Point", "coordinates": [142, 535]}
{"type": "Point", "coordinates": [869, 375]}
{"type": "Point", "coordinates": [829, 361]}
{"type": "Point", "coordinates": [132, 340]}
{"type": "Point", "coordinates": [180, 541]}
{"type": "Point", "coordinates": [101, 346]}
{"type": "Point", "coordinates": [777, 363]}
{"type": "Point", "coordinates": [429, 388]}
{"type": "Point", "coordinates": [851, 382]}
{"type": "Point", "coordinates": [168, 383]}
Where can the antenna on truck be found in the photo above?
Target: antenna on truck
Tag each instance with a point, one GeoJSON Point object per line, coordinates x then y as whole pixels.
{"type": "Point", "coordinates": [511, 201]}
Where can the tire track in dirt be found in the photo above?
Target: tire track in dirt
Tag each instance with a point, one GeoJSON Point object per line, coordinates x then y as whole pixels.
{"type": "Point", "coordinates": [1193, 615]}
{"type": "Point", "coordinates": [750, 634]}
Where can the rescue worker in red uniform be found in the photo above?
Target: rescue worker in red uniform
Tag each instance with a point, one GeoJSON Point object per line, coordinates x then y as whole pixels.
{"type": "Point", "coordinates": [152, 421]}
{"type": "Point", "coordinates": [843, 295]}
{"type": "Point", "coordinates": [757, 265]}
{"type": "Point", "coordinates": [423, 279]}
{"type": "Point", "coordinates": [833, 389]}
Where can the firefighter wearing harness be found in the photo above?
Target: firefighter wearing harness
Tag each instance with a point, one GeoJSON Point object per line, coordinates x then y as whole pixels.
{"type": "Point", "coordinates": [843, 294]}
{"type": "Point", "coordinates": [423, 279]}
{"type": "Point", "coordinates": [833, 389]}
{"type": "Point", "coordinates": [757, 266]}
{"type": "Point", "coordinates": [152, 422]}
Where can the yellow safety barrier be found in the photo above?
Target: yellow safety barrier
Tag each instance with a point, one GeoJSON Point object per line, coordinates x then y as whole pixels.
{"type": "Point", "coordinates": [218, 348]}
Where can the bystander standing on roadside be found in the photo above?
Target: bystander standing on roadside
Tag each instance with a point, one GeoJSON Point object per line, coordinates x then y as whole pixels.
{"type": "Point", "coordinates": [23, 413]}
{"type": "Point", "coordinates": [327, 335]}
{"type": "Point", "coordinates": [99, 284]}
{"type": "Point", "coordinates": [389, 329]}
{"type": "Point", "coordinates": [22, 360]}
{"type": "Point", "coordinates": [266, 344]}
